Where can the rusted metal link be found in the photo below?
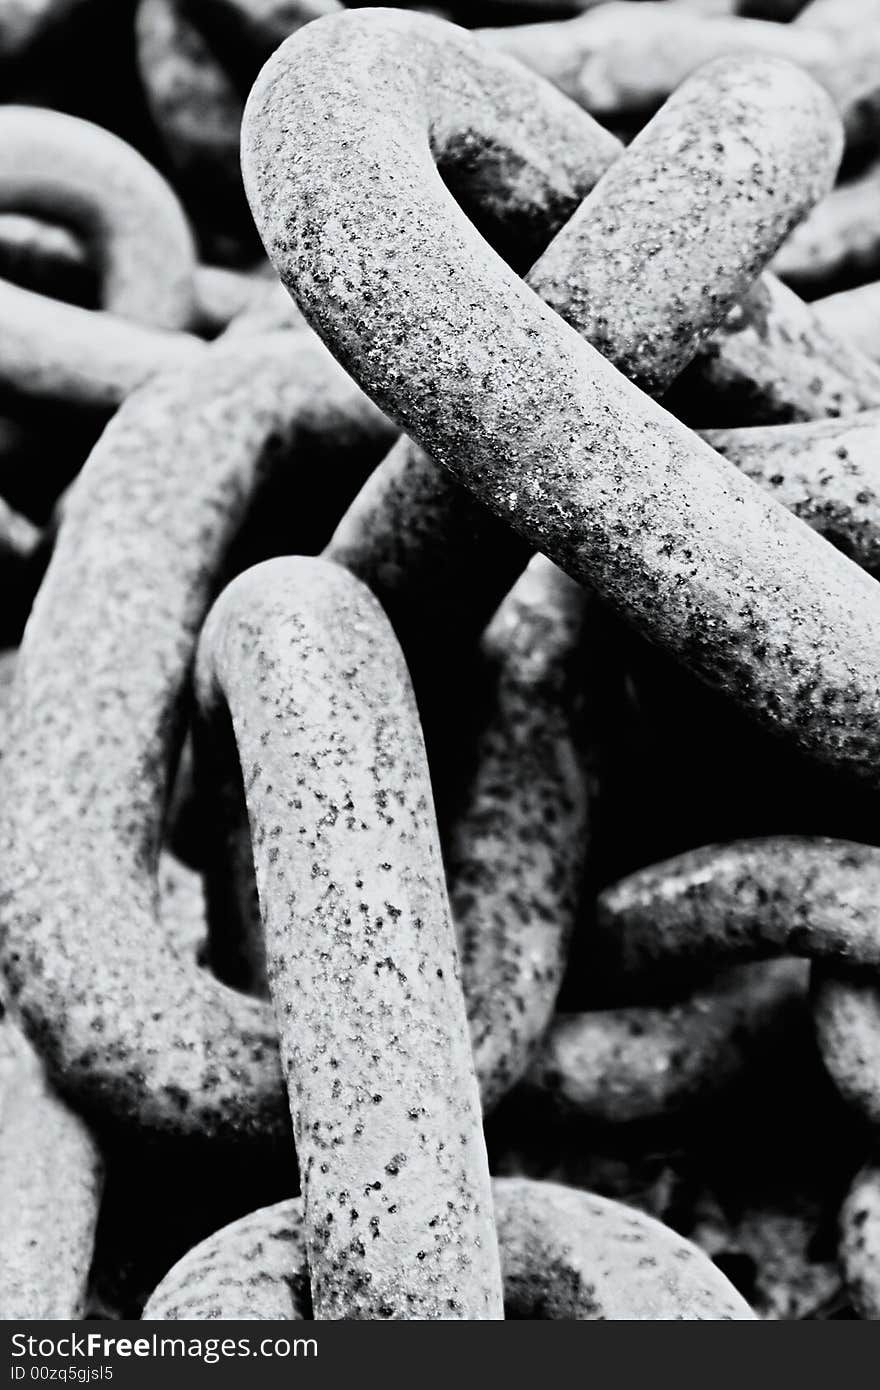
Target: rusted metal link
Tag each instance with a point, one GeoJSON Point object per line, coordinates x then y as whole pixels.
{"type": "Point", "coordinates": [398, 535]}
{"type": "Point", "coordinates": [128, 1030]}
{"type": "Point", "coordinates": [622, 269]}
{"type": "Point", "coordinates": [299, 659]}
{"type": "Point", "coordinates": [771, 370]}
{"type": "Point", "coordinates": [205, 1064]}
{"type": "Point", "coordinates": [515, 832]}
{"type": "Point", "coordinates": [643, 1061]}
{"type": "Point", "coordinates": [774, 361]}
{"type": "Point", "coordinates": [607, 484]}
{"type": "Point", "coordinates": [515, 850]}
{"type": "Point", "coordinates": [565, 1254]}
{"type": "Point", "coordinates": [753, 898]}
{"type": "Point", "coordinates": [825, 471]}
{"type": "Point", "coordinates": [781, 895]}
{"type": "Point", "coordinates": [812, 897]}
{"type": "Point", "coordinates": [401, 228]}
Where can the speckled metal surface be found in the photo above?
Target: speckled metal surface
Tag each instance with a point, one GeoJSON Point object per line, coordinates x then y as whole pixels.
{"type": "Point", "coordinates": [398, 533]}
{"type": "Point", "coordinates": [569, 1254]}
{"type": "Point", "coordinates": [681, 224]}
{"type": "Point", "coordinates": [539, 425]}
{"type": "Point", "coordinates": [825, 471]}
{"type": "Point", "coordinates": [124, 1026]}
{"type": "Point", "coordinates": [435, 556]}
{"type": "Point", "coordinates": [514, 854]}
{"type": "Point", "coordinates": [748, 898]}
{"type": "Point", "coordinates": [647, 289]}
{"type": "Point", "coordinates": [439, 562]}
{"type": "Point", "coordinates": [754, 1175]}
{"type": "Point", "coordinates": [411, 174]}
{"type": "Point", "coordinates": [774, 361]}
{"type": "Point", "coordinates": [639, 1062]}
{"type": "Point", "coordinates": [860, 1242]}
{"type": "Point", "coordinates": [734, 901]}
{"type": "Point", "coordinates": [8, 659]}
{"type": "Point", "coordinates": [50, 1187]}
{"type": "Point", "coordinates": [360, 949]}
{"type": "Point", "coordinates": [565, 1254]}
{"type": "Point", "coordinates": [612, 1064]}
{"type": "Point", "coordinates": [254, 1269]}
{"type": "Point", "coordinates": [182, 907]}
{"type": "Point", "coordinates": [547, 154]}
{"type": "Point", "coordinates": [516, 835]}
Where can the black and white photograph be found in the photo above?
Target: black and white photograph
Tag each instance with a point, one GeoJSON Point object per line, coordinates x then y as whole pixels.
{"type": "Point", "coordinates": [439, 674]}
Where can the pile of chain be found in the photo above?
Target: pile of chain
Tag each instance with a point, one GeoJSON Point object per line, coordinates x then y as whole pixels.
{"type": "Point", "coordinates": [440, 532]}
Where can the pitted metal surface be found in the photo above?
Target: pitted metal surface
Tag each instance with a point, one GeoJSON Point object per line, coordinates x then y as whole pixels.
{"type": "Point", "coordinates": [122, 1024]}
{"type": "Point", "coordinates": [565, 1254]}
{"type": "Point", "coordinates": [352, 835]}
{"type": "Point", "coordinates": [360, 949]}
